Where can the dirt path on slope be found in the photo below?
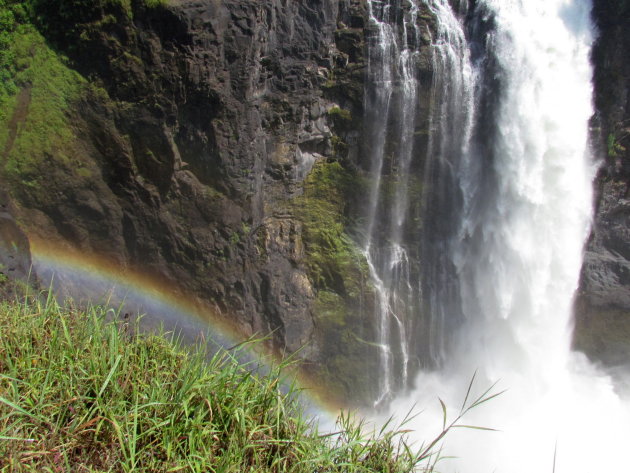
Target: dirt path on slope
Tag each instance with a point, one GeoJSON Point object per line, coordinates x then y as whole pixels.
{"type": "Point", "coordinates": [19, 116]}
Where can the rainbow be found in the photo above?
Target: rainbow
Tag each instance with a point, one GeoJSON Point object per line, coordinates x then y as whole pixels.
{"type": "Point", "coordinates": [94, 279]}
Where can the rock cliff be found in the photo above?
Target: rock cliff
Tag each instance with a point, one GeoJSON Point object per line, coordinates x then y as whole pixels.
{"type": "Point", "coordinates": [210, 144]}
{"type": "Point", "coordinates": [603, 303]}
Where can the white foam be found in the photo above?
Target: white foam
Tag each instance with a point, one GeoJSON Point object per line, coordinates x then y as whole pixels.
{"type": "Point", "coordinates": [519, 260]}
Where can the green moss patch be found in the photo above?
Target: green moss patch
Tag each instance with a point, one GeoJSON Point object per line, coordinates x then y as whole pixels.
{"type": "Point", "coordinates": [39, 134]}
{"type": "Point", "coordinates": [333, 260]}
{"type": "Point", "coordinates": [339, 272]}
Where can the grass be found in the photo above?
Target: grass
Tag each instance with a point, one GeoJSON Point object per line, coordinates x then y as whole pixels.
{"type": "Point", "coordinates": [80, 394]}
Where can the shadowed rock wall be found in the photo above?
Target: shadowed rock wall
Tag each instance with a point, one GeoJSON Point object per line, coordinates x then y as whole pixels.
{"type": "Point", "coordinates": [603, 303]}
{"type": "Point", "coordinates": [213, 145]}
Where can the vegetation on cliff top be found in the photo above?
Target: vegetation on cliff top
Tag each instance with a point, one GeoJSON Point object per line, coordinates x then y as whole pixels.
{"type": "Point", "coordinates": [37, 84]}
{"type": "Point", "coordinates": [71, 22]}
{"type": "Point", "coordinates": [81, 394]}
{"type": "Point", "coordinates": [35, 97]}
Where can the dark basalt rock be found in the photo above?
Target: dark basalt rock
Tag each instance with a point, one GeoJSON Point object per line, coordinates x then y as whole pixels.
{"type": "Point", "coordinates": [15, 256]}
{"type": "Point", "coordinates": [603, 302]}
{"type": "Point", "coordinates": [201, 123]}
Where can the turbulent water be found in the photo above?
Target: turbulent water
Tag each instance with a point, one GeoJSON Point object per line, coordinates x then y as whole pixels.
{"type": "Point", "coordinates": [511, 176]}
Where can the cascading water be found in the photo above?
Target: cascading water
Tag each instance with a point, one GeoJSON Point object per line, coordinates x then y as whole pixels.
{"type": "Point", "coordinates": [391, 102]}
{"type": "Point", "coordinates": [512, 100]}
{"type": "Point", "coordinates": [451, 124]}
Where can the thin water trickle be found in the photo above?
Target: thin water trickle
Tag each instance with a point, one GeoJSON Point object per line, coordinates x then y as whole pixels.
{"type": "Point", "coordinates": [392, 71]}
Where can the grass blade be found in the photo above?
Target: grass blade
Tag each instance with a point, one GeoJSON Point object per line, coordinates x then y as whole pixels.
{"type": "Point", "coordinates": [21, 411]}
{"type": "Point", "coordinates": [109, 376]}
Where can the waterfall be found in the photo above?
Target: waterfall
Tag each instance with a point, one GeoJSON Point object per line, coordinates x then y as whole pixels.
{"type": "Point", "coordinates": [510, 205]}
{"type": "Point", "coordinates": [390, 101]}
{"type": "Point", "coordinates": [451, 125]}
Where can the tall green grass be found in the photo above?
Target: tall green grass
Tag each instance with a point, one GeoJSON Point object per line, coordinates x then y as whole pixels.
{"type": "Point", "coordinates": [81, 394]}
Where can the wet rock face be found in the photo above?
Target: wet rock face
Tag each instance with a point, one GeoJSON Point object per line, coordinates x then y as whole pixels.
{"type": "Point", "coordinates": [200, 124]}
{"type": "Point", "coordinates": [15, 256]}
{"type": "Point", "coordinates": [222, 115]}
{"type": "Point", "coordinates": [603, 303]}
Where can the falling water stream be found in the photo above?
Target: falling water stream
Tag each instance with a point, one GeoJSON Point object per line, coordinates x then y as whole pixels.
{"type": "Point", "coordinates": [393, 89]}
{"type": "Point", "coordinates": [511, 178]}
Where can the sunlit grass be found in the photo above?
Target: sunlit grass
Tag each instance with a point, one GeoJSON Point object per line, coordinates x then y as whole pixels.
{"type": "Point", "coordinates": [81, 394]}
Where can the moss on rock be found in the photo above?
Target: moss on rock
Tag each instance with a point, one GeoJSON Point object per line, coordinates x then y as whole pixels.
{"type": "Point", "coordinates": [340, 274]}
{"type": "Point", "coordinates": [334, 261]}
{"type": "Point", "coordinates": [38, 132]}
{"type": "Point", "coordinates": [349, 357]}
